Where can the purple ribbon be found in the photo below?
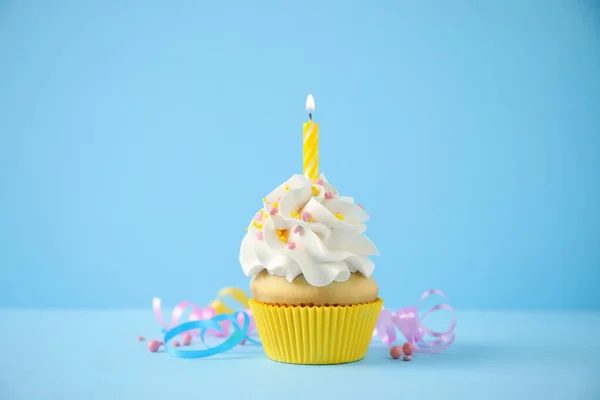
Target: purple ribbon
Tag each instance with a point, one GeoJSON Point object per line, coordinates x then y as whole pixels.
{"type": "Point", "coordinates": [410, 324]}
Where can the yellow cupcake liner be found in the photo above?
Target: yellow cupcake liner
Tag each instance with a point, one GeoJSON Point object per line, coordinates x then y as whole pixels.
{"type": "Point", "coordinates": [316, 334]}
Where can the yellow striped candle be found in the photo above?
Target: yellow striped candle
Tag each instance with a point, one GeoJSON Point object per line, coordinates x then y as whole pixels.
{"type": "Point", "coordinates": [310, 138]}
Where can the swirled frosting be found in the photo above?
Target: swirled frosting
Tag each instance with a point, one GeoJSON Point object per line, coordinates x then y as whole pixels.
{"type": "Point", "coordinates": [309, 229]}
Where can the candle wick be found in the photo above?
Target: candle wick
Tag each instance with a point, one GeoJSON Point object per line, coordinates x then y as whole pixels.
{"type": "Point", "coordinates": [310, 116]}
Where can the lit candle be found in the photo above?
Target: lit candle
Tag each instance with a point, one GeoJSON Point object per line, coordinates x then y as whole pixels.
{"type": "Point", "coordinates": [310, 138]}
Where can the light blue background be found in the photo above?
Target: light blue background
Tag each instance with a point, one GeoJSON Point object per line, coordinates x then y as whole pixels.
{"type": "Point", "coordinates": [137, 139]}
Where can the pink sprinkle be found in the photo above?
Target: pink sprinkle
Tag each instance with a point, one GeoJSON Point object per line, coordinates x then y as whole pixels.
{"type": "Point", "coordinates": [176, 343]}
{"type": "Point", "coordinates": [243, 342]}
{"type": "Point", "coordinates": [273, 211]}
{"type": "Point", "coordinates": [297, 229]}
{"type": "Point", "coordinates": [408, 348]}
{"type": "Point", "coordinates": [258, 216]}
{"type": "Point", "coordinates": [259, 235]}
{"type": "Point", "coordinates": [140, 338]}
{"type": "Point", "coordinates": [319, 181]}
{"type": "Point", "coordinates": [396, 352]}
{"type": "Point", "coordinates": [305, 216]}
{"type": "Point", "coordinates": [291, 245]}
{"type": "Point", "coordinates": [187, 339]}
{"type": "Point", "coordinates": [329, 195]}
{"type": "Point", "coordinates": [361, 206]}
{"type": "Point", "coordinates": [153, 346]}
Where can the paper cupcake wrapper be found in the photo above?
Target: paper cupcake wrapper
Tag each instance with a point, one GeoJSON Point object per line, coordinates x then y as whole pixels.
{"type": "Point", "coordinates": [316, 334]}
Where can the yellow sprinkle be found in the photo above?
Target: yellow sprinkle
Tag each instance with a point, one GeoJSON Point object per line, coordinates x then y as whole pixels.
{"type": "Point", "coordinates": [283, 239]}
{"type": "Point", "coordinates": [315, 191]}
{"type": "Point", "coordinates": [259, 226]}
{"type": "Point", "coordinates": [262, 211]}
{"type": "Point", "coordinates": [246, 229]}
{"type": "Point", "coordinates": [279, 233]}
{"type": "Point", "coordinates": [276, 205]}
{"type": "Point", "coordinates": [339, 216]}
{"type": "Point", "coordinates": [254, 224]}
{"type": "Point", "coordinates": [287, 188]}
{"type": "Point", "coordinates": [264, 200]}
{"type": "Point", "coordinates": [266, 215]}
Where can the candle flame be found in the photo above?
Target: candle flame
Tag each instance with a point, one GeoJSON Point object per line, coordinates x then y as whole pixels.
{"type": "Point", "coordinates": [310, 103]}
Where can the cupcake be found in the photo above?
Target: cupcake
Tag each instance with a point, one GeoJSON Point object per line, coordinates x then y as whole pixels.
{"type": "Point", "coordinates": [313, 295]}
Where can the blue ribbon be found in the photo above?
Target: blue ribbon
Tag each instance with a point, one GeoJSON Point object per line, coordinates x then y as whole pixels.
{"type": "Point", "coordinates": [239, 334]}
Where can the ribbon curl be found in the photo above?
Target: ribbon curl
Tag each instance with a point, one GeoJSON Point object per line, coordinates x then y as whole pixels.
{"type": "Point", "coordinates": [216, 307]}
{"type": "Point", "coordinates": [408, 322]}
{"type": "Point", "coordinates": [239, 334]}
{"type": "Point", "coordinates": [218, 319]}
{"type": "Point", "coordinates": [235, 294]}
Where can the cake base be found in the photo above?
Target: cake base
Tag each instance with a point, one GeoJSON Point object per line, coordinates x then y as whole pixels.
{"type": "Point", "coordinates": [274, 289]}
{"type": "Point", "coordinates": [316, 334]}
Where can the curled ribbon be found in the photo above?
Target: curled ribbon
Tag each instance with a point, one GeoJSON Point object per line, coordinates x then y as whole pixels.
{"type": "Point", "coordinates": [408, 322]}
{"type": "Point", "coordinates": [236, 294]}
{"type": "Point", "coordinates": [239, 334]}
{"type": "Point", "coordinates": [218, 319]}
{"type": "Point", "coordinates": [217, 307]}
{"type": "Point", "coordinates": [214, 320]}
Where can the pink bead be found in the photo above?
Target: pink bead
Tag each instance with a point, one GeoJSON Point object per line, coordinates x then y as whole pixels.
{"type": "Point", "coordinates": [291, 245]}
{"type": "Point", "coordinates": [297, 229]}
{"type": "Point", "coordinates": [408, 348]}
{"type": "Point", "coordinates": [259, 235]}
{"type": "Point", "coordinates": [305, 216]}
{"type": "Point", "coordinates": [273, 211]}
{"type": "Point", "coordinates": [361, 206]}
{"type": "Point", "coordinates": [319, 181]}
{"type": "Point", "coordinates": [187, 339]}
{"type": "Point", "coordinates": [329, 195]}
{"type": "Point", "coordinates": [140, 338]}
{"type": "Point", "coordinates": [176, 343]}
{"type": "Point", "coordinates": [407, 357]}
{"type": "Point", "coordinates": [153, 346]}
{"type": "Point", "coordinates": [396, 352]}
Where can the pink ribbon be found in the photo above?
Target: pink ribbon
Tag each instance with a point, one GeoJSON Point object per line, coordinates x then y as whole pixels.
{"type": "Point", "coordinates": [408, 322]}
{"type": "Point", "coordinates": [196, 313]}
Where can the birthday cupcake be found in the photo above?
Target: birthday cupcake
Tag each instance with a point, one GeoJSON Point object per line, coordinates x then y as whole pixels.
{"type": "Point", "coordinates": [313, 295]}
{"type": "Point", "coordinates": [314, 299]}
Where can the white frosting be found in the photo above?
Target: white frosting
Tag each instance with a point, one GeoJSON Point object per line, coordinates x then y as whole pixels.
{"type": "Point", "coordinates": [327, 248]}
